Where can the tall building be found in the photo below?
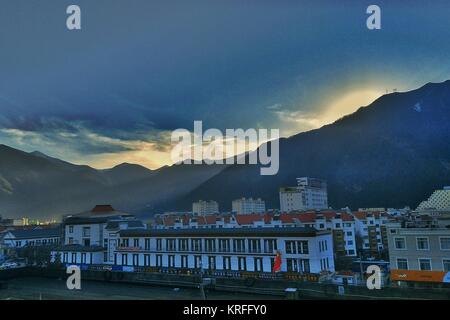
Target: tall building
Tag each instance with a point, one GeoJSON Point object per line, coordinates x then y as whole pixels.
{"type": "Point", "coordinates": [371, 231]}
{"type": "Point", "coordinates": [205, 207]}
{"type": "Point", "coordinates": [248, 206]}
{"type": "Point", "coordinates": [310, 193]}
{"type": "Point", "coordinates": [439, 200]}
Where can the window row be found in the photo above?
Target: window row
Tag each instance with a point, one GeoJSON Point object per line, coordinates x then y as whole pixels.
{"type": "Point", "coordinates": [424, 264]}
{"type": "Point", "coordinates": [206, 245]}
{"type": "Point", "coordinates": [422, 243]}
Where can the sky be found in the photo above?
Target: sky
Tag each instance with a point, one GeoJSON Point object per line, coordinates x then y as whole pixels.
{"type": "Point", "coordinates": [114, 91]}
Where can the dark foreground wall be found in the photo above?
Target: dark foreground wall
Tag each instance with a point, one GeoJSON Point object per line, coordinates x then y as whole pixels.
{"type": "Point", "coordinates": [273, 287]}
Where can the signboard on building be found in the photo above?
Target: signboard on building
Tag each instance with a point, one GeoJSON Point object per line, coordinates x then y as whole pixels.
{"type": "Point", "coordinates": [420, 276]}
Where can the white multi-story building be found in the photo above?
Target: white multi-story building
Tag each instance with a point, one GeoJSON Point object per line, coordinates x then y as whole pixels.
{"type": "Point", "coordinates": [303, 250]}
{"type": "Point", "coordinates": [310, 193]}
{"type": "Point", "coordinates": [202, 208]}
{"type": "Point", "coordinates": [113, 239]}
{"type": "Point", "coordinates": [291, 199]}
{"type": "Point", "coordinates": [91, 237]}
{"type": "Point", "coordinates": [371, 230]}
{"type": "Point", "coordinates": [439, 200]}
{"type": "Point", "coordinates": [341, 224]}
{"type": "Point", "coordinates": [248, 206]}
{"type": "Point", "coordinates": [315, 190]}
{"type": "Point", "coordinates": [32, 237]}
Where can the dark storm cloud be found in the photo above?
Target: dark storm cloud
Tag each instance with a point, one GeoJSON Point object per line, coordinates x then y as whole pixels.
{"type": "Point", "coordinates": [140, 68]}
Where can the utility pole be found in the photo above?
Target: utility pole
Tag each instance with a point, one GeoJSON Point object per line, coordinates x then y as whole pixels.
{"type": "Point", "coordinates": [361, 266]}
{"type": "Point", "coordinates": [202, 286]}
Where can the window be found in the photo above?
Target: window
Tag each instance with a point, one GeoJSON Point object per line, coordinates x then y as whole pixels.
{"type": "Point", "coordinates": [183, 244]}
{"type": "Point", "coordinates": [226, 263]}
{"type": "Point", "coordinates": [290, 247]}
{"type": "Point", "coordinates": [171, 263]}
{"type": "Point", "coordinates": [422, 243]}
{"type": "Point", "coordinates": [196, 244]}
{"type": "Point", "coordinates": [65, 257]}
{"type": "Point", "coordinates": [147, 244]}
{"type": "Point", "coordinates": [425, 264]}
{"type": "Point", "coordinates": [349, 233]}
{"type": "Point", "coordinates": [304, 265]}
{"type": "Point", "coordinates": [302, 247]}
{"type": "Point", "coordinates": [445, 243]}
{"type": "Point", "coordinates": [74, 258]}
{"type": "Point", "coordinates": [86, 231]}
{"type": "Point", "coordinates": [170, 245]}
{"type": "Point", "coordinates": [184, 261]}
{"type": "Point", "coordinates": [146, 260]}
{"type": "Point", "coordinates": [136, 243]}
{"type": "Point", "coordinates": [83, 258]}
{"type": "Point", "coordinates": [158, 244]}
{"type": "Point", "coordinates": [159, 260]}
{"type": "Point", "coordinates": [239, 245]}
{"type": "Point", "coordinates": [402, 264]}
{"type": "Point", "coordinates": [197, 262]}
{"type": "Point", "coordinates": [135, 260]}
{"type": "Point", "coordinates": [242, 264]}
{"type": "Point", "coordinates": [70, 229]}
{"type": "Point", "coordinates": [210, 245]}
{"type": "Point", "coordinates": [254, 245]}
{"type": "Point", "coordinates": [400, 243]}
{"type": "Point", "coordinates": [124, 259]}
{"type": "Point", "coordinates": [446, 264]}
{"type": "Point", "coordinates": [211, 263]}
{"type": "Point", "coordinates": [224, 245]}
{"type": "Point", "coordinates": [258, 265]}
{"type": "Point", "coordinates": [291, 265]}
{"type": "Point", "coordinates": [125, 243]}
{"type": "Point", "coordinates": [270, 245]}
{"type": "Point", "coordinates": [86, 242]}
{"type": "Point", "coordinates": [70, 240]}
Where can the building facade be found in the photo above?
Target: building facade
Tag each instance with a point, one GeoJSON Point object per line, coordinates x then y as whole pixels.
{"type": "Point", "coordinates": [248, 206]}
{"type": "Point", "coordinates": [419, 255]}
{"type": "Point", "coordinates": [310, 193]}
{"type": "Point", "coordinates": [91, 237]}
{"type": "Point", "coordinates": [203, 208]}
{"type": "Point", "coordinates": [32, 237]}
{"type": "Point", "coordinates": [303, 250]}
{"type": "Point", "coordinates": [371, 231]}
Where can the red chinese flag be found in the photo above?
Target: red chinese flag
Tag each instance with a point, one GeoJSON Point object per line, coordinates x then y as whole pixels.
{"type": "Point", "coordinates": [277, 263]}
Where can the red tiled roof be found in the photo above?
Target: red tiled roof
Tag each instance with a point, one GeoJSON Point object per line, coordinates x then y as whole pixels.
{"type": "Point", "coordinates": [248, 218]}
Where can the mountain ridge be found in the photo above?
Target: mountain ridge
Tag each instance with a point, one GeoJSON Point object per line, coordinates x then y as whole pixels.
{"type": "Point", "coordinates": [390, 153]}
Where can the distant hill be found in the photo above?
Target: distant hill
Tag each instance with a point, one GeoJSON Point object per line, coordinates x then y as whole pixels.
{"type": "Point", "coordinates": [38, 186]}
{"type": "Point", "coordinates": [392, 153]}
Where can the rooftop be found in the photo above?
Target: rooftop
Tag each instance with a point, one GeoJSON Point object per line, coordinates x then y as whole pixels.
{"type": "Point", "coordinates": [36, 233]}
{"type": "Point", "coordinates": [257, 232]}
